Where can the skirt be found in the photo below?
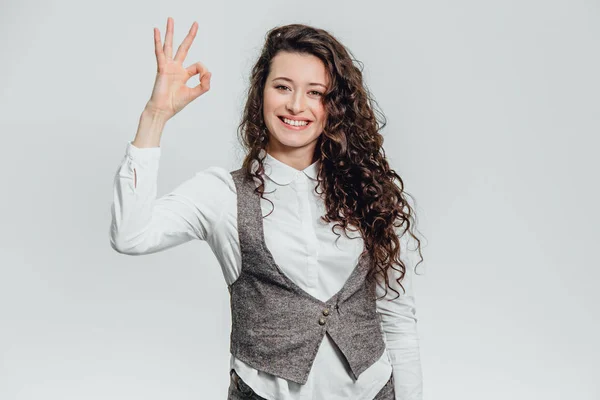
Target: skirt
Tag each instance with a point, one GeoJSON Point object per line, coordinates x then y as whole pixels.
{"type": "Point", "coordinates": [239, 390]}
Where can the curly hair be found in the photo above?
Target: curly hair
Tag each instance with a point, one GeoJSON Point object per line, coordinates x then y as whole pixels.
{"type": "Point", "coordinates": [359, 187]}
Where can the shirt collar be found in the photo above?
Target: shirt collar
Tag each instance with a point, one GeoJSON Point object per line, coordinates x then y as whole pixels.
{"type": "Point", "coordinates": [283, 174]}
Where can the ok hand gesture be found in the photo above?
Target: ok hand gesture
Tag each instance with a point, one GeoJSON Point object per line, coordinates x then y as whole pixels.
{"type": "Point", "coordinates": [171, 94]}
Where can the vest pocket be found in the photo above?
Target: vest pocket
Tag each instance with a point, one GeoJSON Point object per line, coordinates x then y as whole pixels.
{"type": "Point", "coordinates": [237, 385]}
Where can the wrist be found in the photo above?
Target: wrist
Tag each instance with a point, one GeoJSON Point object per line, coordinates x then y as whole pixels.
{"type": "Point", "coordinates": [150, 129]}
{"type": "Point", "coordinates": [155, 114]}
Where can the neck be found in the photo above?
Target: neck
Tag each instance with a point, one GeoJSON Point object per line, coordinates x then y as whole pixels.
{"type": "Point", "coordinates": [298, 158]}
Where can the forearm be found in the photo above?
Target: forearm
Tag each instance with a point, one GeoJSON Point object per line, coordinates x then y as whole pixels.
{"type": "Point", "coordinates": [406, 366]}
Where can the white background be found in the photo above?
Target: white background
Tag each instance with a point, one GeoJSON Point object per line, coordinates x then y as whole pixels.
{"type": "Point", "coordinates": [493, 117]}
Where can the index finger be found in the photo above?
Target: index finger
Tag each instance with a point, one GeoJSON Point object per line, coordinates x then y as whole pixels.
{"type": "Point", "coordinates": [183, 48]}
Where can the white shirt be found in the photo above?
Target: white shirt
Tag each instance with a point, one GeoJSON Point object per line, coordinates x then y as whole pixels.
{"type": "Point", "coordinates": [204, 207]}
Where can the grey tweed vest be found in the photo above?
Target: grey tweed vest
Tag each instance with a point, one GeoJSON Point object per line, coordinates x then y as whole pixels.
{"type": "Point", "coordinates": [276, 326]}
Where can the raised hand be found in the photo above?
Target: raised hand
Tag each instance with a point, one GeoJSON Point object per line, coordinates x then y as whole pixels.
{"type": "Point", "coordinates": [171, 94]}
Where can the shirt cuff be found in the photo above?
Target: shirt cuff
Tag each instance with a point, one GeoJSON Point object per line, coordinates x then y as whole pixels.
{"type": "Point", "coordinates": [144, 157]}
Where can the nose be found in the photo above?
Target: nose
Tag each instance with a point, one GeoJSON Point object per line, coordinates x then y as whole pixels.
{"type": "Point", "coordinates": [297, 103]}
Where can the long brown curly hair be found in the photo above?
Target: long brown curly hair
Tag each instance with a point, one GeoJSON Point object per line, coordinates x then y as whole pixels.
{"type": "Point", "coordinates": [359, 188]}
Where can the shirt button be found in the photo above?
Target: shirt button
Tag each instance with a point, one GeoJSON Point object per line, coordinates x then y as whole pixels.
{"type": "Point", "coordinates": [326, 312]}
{"type": "Point", "coordinates": [321, 321]}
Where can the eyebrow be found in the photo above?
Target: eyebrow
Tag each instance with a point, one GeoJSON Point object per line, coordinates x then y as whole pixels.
{"type": "Point", "coordinates": [289, 80]}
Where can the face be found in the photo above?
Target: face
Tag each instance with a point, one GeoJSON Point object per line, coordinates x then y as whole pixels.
{"type": "Point", "coordinates": [294, 90]}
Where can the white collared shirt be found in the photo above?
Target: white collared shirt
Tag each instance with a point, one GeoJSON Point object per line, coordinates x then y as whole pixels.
{"type": "Point", "coordinates": [204, 207]}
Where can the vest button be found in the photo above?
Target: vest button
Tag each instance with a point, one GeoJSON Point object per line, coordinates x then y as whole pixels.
{"type": "Point", "coordinates": [321, 321]}
{"type": "Point", "coordinates": [326, 312]}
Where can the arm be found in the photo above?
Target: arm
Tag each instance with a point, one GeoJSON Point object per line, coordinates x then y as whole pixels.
{"type": "Point", "coordinates": [142, 224]}
{"type": "Point", "coordinates": [399, 324]}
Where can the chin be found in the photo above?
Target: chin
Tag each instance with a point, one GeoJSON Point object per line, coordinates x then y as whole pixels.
{"type": "Point", "coordinates": [291, 143]}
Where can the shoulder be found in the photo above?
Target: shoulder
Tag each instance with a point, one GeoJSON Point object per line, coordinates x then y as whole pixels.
{"type": "Point", "coordinates": [217, 178]}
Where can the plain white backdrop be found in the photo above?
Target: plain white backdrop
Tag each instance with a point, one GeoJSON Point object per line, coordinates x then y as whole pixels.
{"type": "Point", "coordinates": [493, 113]}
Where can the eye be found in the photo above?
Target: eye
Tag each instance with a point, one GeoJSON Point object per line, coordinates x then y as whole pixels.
{"type": "Point", "coordinates": [316, 92]}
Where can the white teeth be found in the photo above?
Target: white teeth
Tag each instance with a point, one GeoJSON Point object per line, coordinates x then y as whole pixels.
{"type": "Point", "coordinates": [295, 123]}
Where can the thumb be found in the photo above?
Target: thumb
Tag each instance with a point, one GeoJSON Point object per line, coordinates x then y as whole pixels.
{"type": "Point", "coordinates": [200, 69]}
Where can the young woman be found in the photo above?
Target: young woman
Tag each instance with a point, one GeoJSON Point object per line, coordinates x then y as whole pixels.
{"type": "Point", "coordinates": [309, 232]}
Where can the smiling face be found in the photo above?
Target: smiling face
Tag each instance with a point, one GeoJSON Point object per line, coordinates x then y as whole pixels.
{"type": "Point", "coordinates": [293, 90]}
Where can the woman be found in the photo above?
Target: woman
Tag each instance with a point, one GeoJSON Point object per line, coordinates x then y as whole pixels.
{"type": "Point", "coordinates": [305, 231]}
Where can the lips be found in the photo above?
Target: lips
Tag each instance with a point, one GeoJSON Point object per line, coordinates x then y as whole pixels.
{"type": "Point", "coordinates": [293, 127]}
